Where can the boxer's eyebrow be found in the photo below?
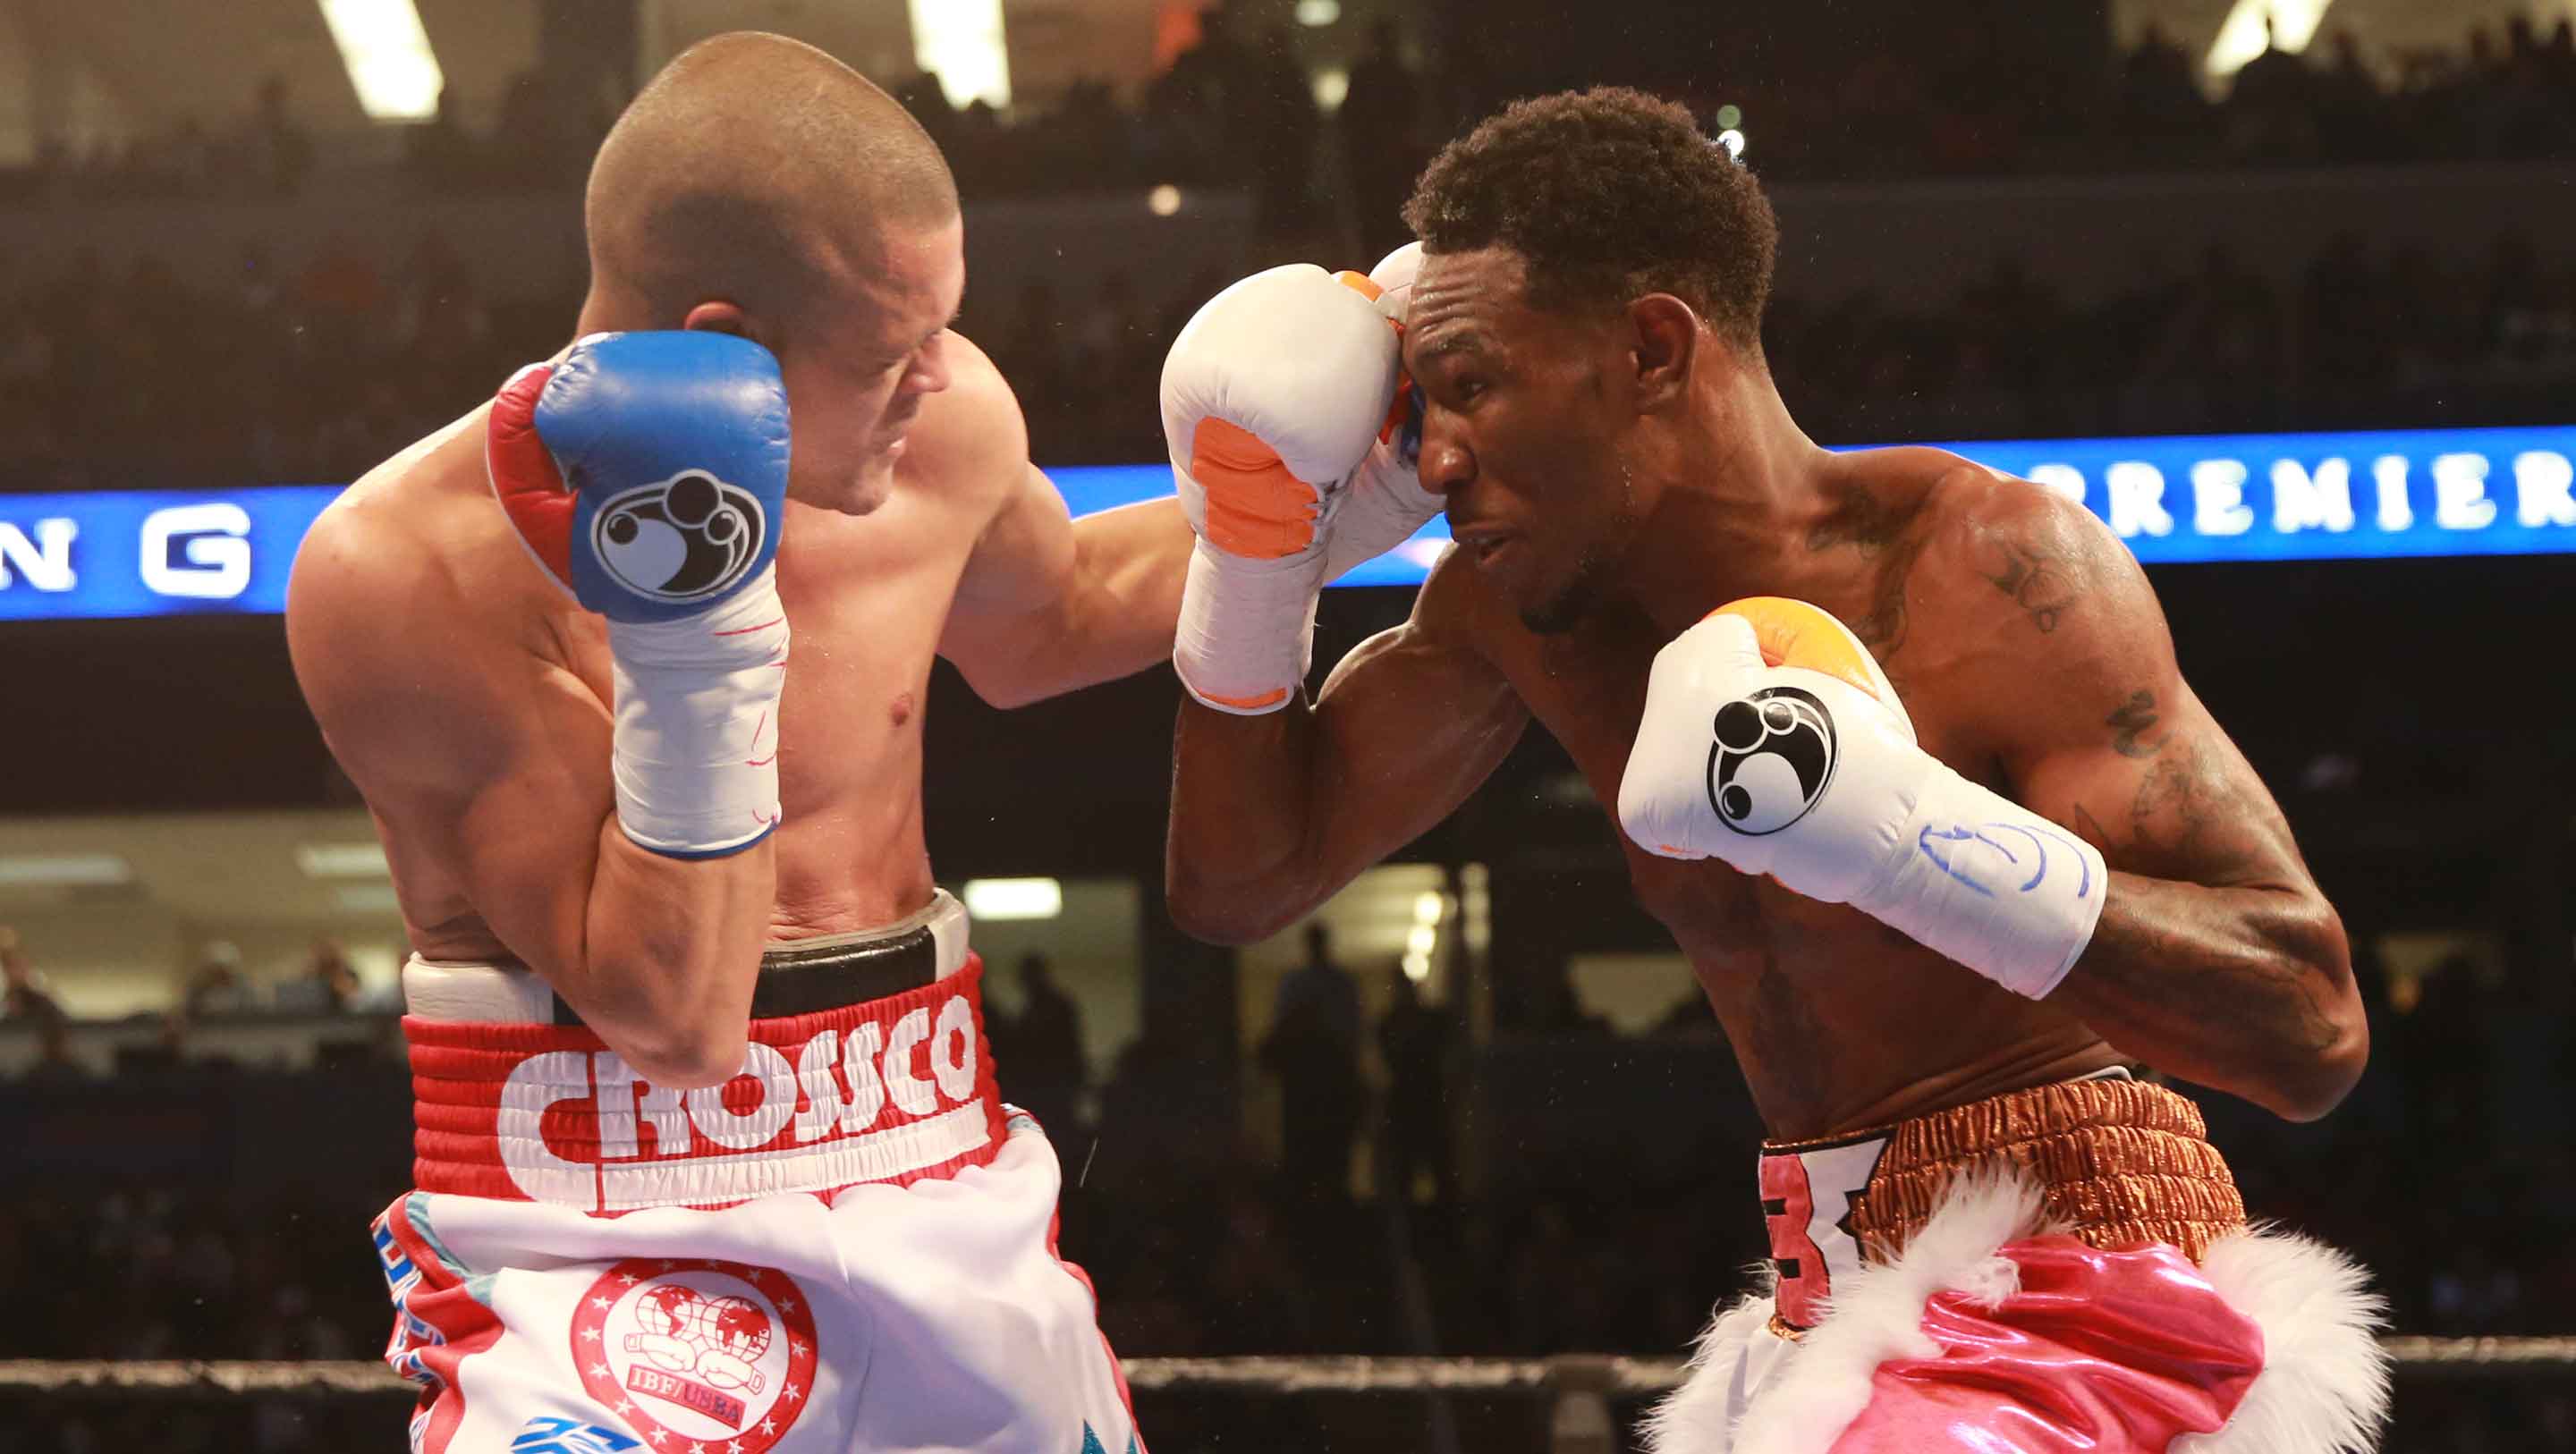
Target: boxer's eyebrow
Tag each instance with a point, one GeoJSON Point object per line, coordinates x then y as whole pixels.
{"type": "Point", "coordinates": [1465, 340]}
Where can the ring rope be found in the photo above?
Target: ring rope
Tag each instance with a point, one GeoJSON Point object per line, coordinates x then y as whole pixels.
{"type": "Point", "coordinates": [2445, 1358]}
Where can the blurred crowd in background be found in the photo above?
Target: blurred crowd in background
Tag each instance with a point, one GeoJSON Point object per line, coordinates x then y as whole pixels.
{"type": "Point", "coordinates": [115, 375]}
{"type": "Point", "coordinates": [310, 364]}
{"type": "Point", "coordinates": [1242, 107]}
{"type": "Point", "coordinates": [1355, 1222]}
{"type": "Point", "coordinates": [1356, 1236]}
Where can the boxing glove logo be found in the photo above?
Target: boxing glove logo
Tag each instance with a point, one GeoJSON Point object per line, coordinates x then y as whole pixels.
{"type": "Point", "coordinates": [689, 538]}
{"type": "Point", "coordinates": [1773, 758]}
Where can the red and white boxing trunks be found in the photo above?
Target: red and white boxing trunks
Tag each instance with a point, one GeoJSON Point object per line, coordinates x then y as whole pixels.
{"type": "Point", "coordinates": [2061, 1270]}
{"type": "Point", "coordinates": [848, 1247]}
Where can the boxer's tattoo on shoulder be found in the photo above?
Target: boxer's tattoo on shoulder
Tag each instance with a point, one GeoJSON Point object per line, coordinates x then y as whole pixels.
{"type": "Point", "coordinates": [2131, 722]}
{"type": "Point", "coordinates": [1864, 522]}
{"type": "Point", "coordinates": [1883, 629]}
{"type": "Point", "coordinates": [2036, 585]}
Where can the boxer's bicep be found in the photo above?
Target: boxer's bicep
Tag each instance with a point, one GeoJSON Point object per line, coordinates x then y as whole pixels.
{"type": "Point", "coordinates": [1272, 815]}
{"type": "Point", "coordinates": [1049, 603]}
{"type": "Point", "coordinates": [2119, 748]}
{"type": "Point", "coordinates": [2163, 791]}
{"type": "Point", "coordinates": [2215, 958]}
{"type": "Point", "coordinates": [1411, 723]}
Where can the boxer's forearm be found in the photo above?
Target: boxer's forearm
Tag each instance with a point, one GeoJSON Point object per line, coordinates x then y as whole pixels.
{"type": "Point", "coordinates": [1238, 859]}
{"type": "Point", "coordinates": [670, 949]}
{"type": "Point", "coordinates": [1130, 565]}
{"type": "Point", "coordinates": [1096, 602]}
{"type": "Point", "coordinates": [2248, 990]}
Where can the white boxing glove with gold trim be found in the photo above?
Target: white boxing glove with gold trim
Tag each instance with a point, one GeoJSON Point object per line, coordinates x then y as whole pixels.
{"type": "Point", "coordinates": [1772, 740]}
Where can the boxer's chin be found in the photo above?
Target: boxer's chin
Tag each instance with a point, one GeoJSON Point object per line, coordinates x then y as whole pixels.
{"type": "Point", "coordinates": [867, 487]}
{"type": "Point", "coordinates": [1562, 607]}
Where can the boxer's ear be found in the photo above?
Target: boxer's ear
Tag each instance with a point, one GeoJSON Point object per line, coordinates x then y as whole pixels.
{"type": "Point", "coordinates": [1666, 346]}
{"type": "Point", "coordinates": [716, 315]}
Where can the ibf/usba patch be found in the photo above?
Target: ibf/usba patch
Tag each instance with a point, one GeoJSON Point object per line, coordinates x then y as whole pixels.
{"type": "Point", "coordinates": [692, 1351]}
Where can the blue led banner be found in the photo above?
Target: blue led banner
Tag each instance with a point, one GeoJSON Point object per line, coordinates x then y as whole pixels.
{"type": "Point", "coordinates": [151, 552]}
{"type": "Point", "coordinates": [2359, 496]}
{"type": "Point", "coordinates": [2219, 497]}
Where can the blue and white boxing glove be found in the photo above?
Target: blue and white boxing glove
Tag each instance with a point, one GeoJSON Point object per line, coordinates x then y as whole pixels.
{"type": "Point", "coordinates": [647, 473]}
{"type": "Point", "coordinates": [1772, 740]}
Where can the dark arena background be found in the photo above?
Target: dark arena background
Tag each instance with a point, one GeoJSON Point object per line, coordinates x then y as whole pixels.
{"type": "Point", "coordinates": [2283, 290]}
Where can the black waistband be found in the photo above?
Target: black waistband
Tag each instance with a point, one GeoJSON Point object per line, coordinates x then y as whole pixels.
{"type": "Point", "coordinates": [796, 980]}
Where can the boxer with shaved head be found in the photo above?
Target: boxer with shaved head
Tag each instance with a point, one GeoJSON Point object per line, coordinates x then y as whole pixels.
{"type": "Point", "coordinates": [631, 664]}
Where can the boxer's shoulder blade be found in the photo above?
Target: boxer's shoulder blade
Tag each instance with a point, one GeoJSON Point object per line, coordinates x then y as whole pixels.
{"type": "Point", "coordinates": [438, 663]}
{"type": "Point", "coordinates": [416, 553]}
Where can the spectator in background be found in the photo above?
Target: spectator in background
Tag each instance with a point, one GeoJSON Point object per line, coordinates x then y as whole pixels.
{"type": "Point", "coordinates": [1417, 1040]}
{"type": "Point", "coordinates": [1191, 104]}
{"type": "Point", "coordinates": [1380, 137]}
{"type": "Point", "coordinates": [215, 986]}
{"type": "Point", "coordinates": [278, 151]}
{"type": "Point", "coordinates": [439, 152]}
{"type": "Point", "coordinates": [2272, 106]}
{"type": "Point", "coordinates": [1555, 1007]}
{"type": "Point", "coordinates": [328, 985]}
{"type": "Point", "coordinates": [1275, 124]}
{"type": "Point", "coordinates": [55, 1063]}
{"type": "Point", "coordinates": [922, 94]}
{"type": "Point", "coordinates": [538, 149]}
{"type": "Point", "coordinates": [2349, 104]}
{"type": "Point", "coordinates": [1314, 1049]}
{"type": "Point", "coordinates": [167, 1052]}
{"type": "Point", "coordinates": [1692, 1016]}
{"type": "Point", "coordinates": [1039, 1050]}
{"type": "Point", "coordinates": [23, 995]}
{"type": "Point", "coordinates": [1255, 1277]}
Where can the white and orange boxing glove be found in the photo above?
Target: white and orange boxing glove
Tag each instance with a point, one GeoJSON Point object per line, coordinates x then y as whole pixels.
{"type": "Point", "coordinates": [1385, 503]}
{"type": "Point", "coordinates": [1772, 740]}
{"type": "Point", "coordinates": [1278, 406]}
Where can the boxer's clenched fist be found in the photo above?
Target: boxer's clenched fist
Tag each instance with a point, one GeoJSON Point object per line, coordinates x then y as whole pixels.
{"type": "Point", "coordinates": [1384, 502]}
{"type": "Point", "coordinates": [1281, 398]}
{"type": "Point", "coordinates": [647, 473]}
{"type": "Point", "coordinates": [1772, 740]}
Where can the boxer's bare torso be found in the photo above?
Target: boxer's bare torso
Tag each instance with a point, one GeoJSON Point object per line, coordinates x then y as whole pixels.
{"type": "Point", "coordinates": [1837, 1020]}
{"type": "Point", "coordinates": [2031, 657]}
{"type": "Point", "coordinates": [869, 599]}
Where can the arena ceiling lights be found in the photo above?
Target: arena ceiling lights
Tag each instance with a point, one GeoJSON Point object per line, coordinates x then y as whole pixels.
{"type": "Point", "coordinates": [388, 57]}
{"type": "Point", "coordinates": [63, 870]}
{"type": "Point", "coordinates": [2241, 36]}
{"type": "Point", "coordinates": [960, 42]}
{"type": "Point", "coordinates": [1013, 898]}
{"type": "Point", "coordinates": [342, 860]}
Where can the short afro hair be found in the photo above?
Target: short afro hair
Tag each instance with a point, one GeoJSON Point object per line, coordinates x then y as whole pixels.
{"type": "Point", "coordinates": [1609, 194]}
